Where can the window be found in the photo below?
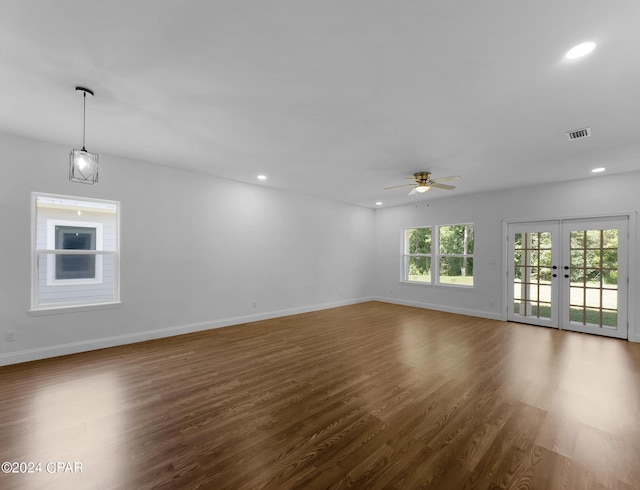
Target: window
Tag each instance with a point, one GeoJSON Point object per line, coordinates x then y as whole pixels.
{"type": "Point", "coordinates": [75, 266]}
{"type": "Point", "coordinates": [73, 235]}
{"type": "Point", "coordinates": [450, 263]}
{"type": "Point", "coordinates": [417, 254]}
{"type": "Point", "coordinates": [75, 252]}
{"type": "Point", "coordinates": [456, 254]}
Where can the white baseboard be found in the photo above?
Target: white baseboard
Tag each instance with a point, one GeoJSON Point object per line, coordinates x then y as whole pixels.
{"type": "Point", "coordinates": [464, 311]}
{"type": "Point", "coordinates": [448, 309]}
{"type": "Point", "coordinates": [103, 343]}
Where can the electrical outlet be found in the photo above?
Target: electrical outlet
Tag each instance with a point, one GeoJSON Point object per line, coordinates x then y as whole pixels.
{"type": "Point", "coordinates": [254, 304]}
{"type": "Point", "coordinates": [10, 336]}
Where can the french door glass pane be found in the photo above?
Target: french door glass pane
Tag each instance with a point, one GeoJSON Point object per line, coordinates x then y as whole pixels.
{"type": "Point", "coordinates": [593, 289]}
{"type": "Point", "coordinates": [532, 274]}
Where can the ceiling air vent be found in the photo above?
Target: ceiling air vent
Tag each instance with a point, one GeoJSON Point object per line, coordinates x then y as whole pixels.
{"type": "Point", "coordinates": [579, 133]}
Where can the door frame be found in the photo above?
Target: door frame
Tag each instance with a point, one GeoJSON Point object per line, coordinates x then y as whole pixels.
{"type": "Point", "coordinates": [633, 259]}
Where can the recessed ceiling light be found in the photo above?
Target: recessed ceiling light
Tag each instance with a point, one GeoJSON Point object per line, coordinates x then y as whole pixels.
{"type": "Point", "coordinates": [262, 177]}
{"type": "Point", "coordinates": [580, 50]}
{"type": "Point", "coordinates": [379, 203]}
{"type": "Point", "coordinates": [598, 170]}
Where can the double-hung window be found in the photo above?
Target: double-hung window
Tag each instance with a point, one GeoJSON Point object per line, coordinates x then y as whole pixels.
{"type": "Point", "coordinates": [75, 252]}
{"type": "Point", "coordinates": [456, 255]}
{"type": "Point", "coordinates": [439, 255]}
{"type": "Point", "coordinates": [417, 254]}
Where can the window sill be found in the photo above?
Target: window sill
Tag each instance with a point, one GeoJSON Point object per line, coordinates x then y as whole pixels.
{"type": "Point", "coordinates": [54, 310]}
{"type": "Point", "coordinates": [439, 285]}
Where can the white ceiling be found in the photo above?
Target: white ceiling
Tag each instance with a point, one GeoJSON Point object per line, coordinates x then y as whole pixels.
{"type": "Point", "coordinates": [334, 98]}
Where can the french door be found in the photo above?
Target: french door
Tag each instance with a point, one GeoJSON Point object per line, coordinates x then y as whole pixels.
{"type": "Point", "coordinates": [569, 274]}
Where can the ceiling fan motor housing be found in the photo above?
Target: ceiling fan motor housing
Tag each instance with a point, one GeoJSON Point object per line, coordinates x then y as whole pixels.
{"type": "Point", "coordinates": [422, 176]}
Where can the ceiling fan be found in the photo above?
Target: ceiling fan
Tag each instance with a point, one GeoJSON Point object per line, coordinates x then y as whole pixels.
{"type": "Point", "coordinates": [423, 183]}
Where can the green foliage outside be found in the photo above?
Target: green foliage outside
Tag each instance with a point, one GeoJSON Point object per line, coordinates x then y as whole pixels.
{"type": "Point", "coordinates": [594, 256]}
{"type": "Point", "coordinates": [585, 316]}
{"type": "Point", "coordinates": [457, 280]}
{"type": "Point", "coordinates": [418, 241]}
{"type": "Point", "coordinates": [456, 239]}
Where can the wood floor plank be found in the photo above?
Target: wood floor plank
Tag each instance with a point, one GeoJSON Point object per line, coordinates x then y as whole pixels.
{"type": "Point", "coordinates": [372, 395]}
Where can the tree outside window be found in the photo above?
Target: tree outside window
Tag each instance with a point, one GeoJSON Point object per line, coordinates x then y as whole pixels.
{"type": "Point", "coordinates": [456, 254]}
{"type": "Point", "coordinates": [450, 262]}
{"type": "Point", "coordinates": [417, 256]}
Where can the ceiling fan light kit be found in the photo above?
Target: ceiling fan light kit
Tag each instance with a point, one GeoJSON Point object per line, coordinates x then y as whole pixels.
{"type": "Point", "coordinates": [423, 182]}
{"type": "Point", "coordinates": [83, 165]}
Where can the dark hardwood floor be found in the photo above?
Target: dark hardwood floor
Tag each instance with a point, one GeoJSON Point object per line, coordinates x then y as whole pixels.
{"type": "Point", "coordinates": [367, 396]}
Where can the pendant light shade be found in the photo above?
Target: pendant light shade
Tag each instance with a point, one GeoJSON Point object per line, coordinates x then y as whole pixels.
{"type": "Point", "coordinates": [83, 165]}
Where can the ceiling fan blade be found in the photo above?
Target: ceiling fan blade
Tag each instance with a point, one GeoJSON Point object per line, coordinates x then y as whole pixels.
{"type": "Point", "coordinates": [412, 191]}
{"type": "Point", "coordinates": [446, 179]}
{"type": "Point", "coordinates": [396, 186]}
{"type": "Point", "coordinates": [442, 186]}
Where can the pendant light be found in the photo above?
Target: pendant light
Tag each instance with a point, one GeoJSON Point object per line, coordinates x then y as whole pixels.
{"type": "Point", "coordinates": [83, 165]}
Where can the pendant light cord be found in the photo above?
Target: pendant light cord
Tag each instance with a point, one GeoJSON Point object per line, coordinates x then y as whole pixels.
{"type": "Point", "coordinates": [84, 113]}
{"type": "Point", "coordinates": [84, 118]}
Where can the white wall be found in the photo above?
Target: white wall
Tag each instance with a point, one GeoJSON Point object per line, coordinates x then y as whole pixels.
{"type": "Point", "coordinates": [594, 196]}
{"type": "Point", "coordinates": [196, 252]}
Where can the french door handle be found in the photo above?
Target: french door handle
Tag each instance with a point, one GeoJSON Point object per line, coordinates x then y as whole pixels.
{"type": "Point", "coordinates": [554, 275]}
{"type": "Point", "coordinates": [566, 275]}
{"type": "Point", "coordinates": [554, 267]}
{"type": "Point", "coordinates": [566, 267]}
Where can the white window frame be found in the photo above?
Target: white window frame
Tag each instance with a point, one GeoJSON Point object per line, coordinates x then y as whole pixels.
{"type": "Point", "coordinates": [51, 308]}
{"type": "Point", "coordinates": [435, 257]}
{"type": "Point", "coordinates": [51, 258]}
{"type": "Point", "coordinates": [406, 255]}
